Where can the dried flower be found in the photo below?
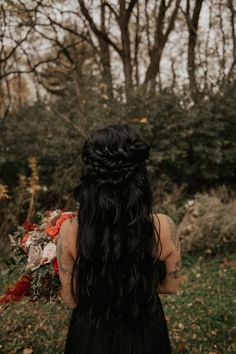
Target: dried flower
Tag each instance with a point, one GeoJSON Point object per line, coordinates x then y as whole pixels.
{"type": "Point", "coordinates": [35, 254]}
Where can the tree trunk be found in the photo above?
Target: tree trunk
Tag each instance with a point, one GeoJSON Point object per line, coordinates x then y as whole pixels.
{"type": "Point", "coordinates": [160, 41]}
{"type": "Point", "coordinates": [136, 48]}
{"type": "Point", "coordinates": [105, 57]}
{"type": "Point", "coordinates": [123, 22]}
{"type": "Point", "coordinates": [192, 40]}
{"type": "Point", "coordinates": [126, 59]}
{"type": "Point", "coordinates": [232, 22]}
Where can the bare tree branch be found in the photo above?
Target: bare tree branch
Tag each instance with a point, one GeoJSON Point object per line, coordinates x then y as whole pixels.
{"type": "Point", "coordinates": [136, 46]}
{"type": "Point", "coordinates": [112, 10]}
{"type": "Point", "coordinates": [232, 20]}
{"type": "Point", "coordinates": [18, 44]}
{"type": "Point", "coordinates": [148, 27]}
{"type": "Point", "coordinates": [171, 21]}
{"type": "Point", "coordinates": [96, 31]}
{"type": "Point", "coordinates": [130, 9]}
{"type": "Point", "coordinates": [35, 66]}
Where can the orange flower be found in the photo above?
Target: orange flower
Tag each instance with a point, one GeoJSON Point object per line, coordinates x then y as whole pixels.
{"type": "Point", "coordinates": [67, 216]}
{"type": "Point", "coordinates": [52, 231]}
{"type": "Point", "coordinates": [59, 223]}
{"type": "Point", "coordinates": [63, 218]}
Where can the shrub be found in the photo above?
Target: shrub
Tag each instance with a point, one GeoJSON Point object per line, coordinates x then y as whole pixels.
{"type": "Point", "coordinates": [209, 223]}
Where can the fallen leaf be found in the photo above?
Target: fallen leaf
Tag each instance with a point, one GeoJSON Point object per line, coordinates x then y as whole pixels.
{"type": "Point", "coordinates": [199, 300]}
{"type": "Point", "coordinates": [194, 325]}
{"type": "Point", "coordinates": [214, 332]}
{"type": "Point", "coordinates": [233, 264]}
{"type": "Point", "coordinates": [28, 351]}
{"type": "Point", "coordinates": [184, 278]}
{"type": "Point", "coordinates": [208, 252]}
{"type": "Point", "coordinates": [222, 266]}
{"type": "Point", "coordinates": [181, 346]}
{"type": "Point", "coordinates": [143, 120]}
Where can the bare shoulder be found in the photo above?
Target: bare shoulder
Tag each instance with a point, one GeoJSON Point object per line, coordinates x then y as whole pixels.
{"type": "Point", "coordinates": [69, 226]}
{"type": "Point", "coordinates": [168, 234]}
{"type": "Point", "coordinates": [68, 234]}
{"type": "Point", "coordinates": [171, 230]}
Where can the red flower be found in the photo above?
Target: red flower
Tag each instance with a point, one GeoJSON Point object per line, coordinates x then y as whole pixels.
{"type": "Point", "coordinates": [22, 286]}
{"type": "Point", "coordinates": [27, 226]}
{"type": "Point", "coordinates": [55, 266]}
{"type": "Point", "coordinates": [23, 241]}
{"type": "Point", "coordinates": [18, 291]}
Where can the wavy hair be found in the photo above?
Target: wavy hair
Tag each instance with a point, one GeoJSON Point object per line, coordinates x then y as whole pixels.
{"type": "Point", "coordinates": [118, 268]}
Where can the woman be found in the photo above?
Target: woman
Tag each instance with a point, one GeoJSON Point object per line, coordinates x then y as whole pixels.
{"type": "Point", "coordinates": [116, 256]}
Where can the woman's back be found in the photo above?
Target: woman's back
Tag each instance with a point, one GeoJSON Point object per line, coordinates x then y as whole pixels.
{"type": "Point", "coordinates": [120, 255]}
{"type": "Point", "coordinates": [140, 337]}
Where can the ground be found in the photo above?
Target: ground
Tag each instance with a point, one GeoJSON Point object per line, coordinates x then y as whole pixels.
{"type": "Point", "coordinates": [201, 317]}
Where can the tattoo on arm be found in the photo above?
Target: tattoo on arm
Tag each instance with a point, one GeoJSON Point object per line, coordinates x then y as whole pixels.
{"type": "Point", "coordinates": [175, 274]}
{"type": "Point", "coordinates": [59, 257]}
{"type": "Point", "coordinates": [173, 233]}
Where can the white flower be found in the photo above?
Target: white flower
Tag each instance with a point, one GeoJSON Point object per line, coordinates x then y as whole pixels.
{"type": "Point", "coordinates": [35, 254]}
{"type": "Point", "coordinates": [55, 214]}
{"type": "Point", "coordinates": [29, 242]}
{"type": "Point", "coordinates": [49, 252]}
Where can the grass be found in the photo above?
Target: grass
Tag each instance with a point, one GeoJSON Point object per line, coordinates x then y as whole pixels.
{"type": "Point", "coordinates": [201, 317]}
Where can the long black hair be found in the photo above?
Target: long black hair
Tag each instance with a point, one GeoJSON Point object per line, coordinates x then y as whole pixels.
{"type": "Point", "coordinates": [117, 261]}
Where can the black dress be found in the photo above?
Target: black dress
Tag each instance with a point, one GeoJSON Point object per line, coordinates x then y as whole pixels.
{"type": "Point", "coordinates": [142, 337]}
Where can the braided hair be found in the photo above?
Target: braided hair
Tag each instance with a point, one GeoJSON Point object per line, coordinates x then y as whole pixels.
{"type": "Point", "coordinates": [117, 270]}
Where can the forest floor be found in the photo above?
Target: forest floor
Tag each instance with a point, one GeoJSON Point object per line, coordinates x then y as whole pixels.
{"type": "Point", "coordinates": [201, 317]}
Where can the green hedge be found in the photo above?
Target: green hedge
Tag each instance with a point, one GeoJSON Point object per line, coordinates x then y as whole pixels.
{"type": "Point", "coordinates": [194, 146]}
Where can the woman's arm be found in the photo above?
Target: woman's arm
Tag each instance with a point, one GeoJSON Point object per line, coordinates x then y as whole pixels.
{"type": "Point", "coordinates": [171, 255]}
{"type": "Point", "coordinates": [65, 261]}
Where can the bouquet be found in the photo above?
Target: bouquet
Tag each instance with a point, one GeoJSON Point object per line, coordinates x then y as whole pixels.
{"type": "Point", "coordinates": [34, 255]}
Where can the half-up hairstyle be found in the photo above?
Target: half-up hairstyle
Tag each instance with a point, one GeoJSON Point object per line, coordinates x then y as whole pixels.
{"type": "Point", "coordinates": [118, 268]}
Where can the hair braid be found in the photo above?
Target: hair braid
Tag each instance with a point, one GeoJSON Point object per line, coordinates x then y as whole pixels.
{"type": "Point", "coordinates": [113, 164]}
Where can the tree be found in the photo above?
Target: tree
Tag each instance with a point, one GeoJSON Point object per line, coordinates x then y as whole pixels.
{"type": "Point", "coordinates": [192, 22]}
{"type": "Point", "coordinates": [131, 43]}
{"type": "Point", "coordinates": [122, 18]}
{"type": "Point", "coordinates": [160, 39]}
{"type": "Point", "coordinates": [233, 34]}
